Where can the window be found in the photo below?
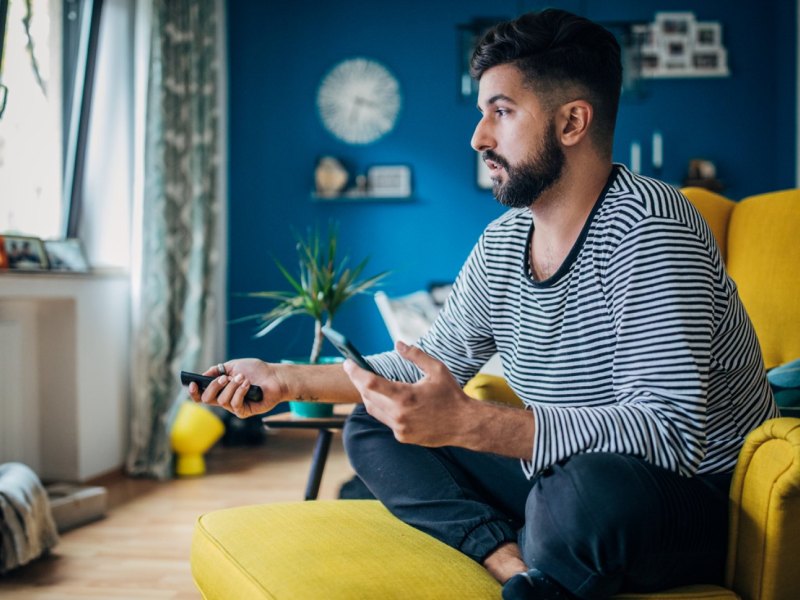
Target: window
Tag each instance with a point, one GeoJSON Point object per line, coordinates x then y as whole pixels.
{"type": "Point", "coordinates": [31, 125]}
{"type": "Point", "coordinates": [38, 70]}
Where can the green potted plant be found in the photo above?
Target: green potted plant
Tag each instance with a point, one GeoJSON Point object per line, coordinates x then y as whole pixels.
{"type": "Point", "coordinates": [322, 286]}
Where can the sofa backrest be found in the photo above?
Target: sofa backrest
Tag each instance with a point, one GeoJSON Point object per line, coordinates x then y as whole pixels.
{"type": "Point", "coordinates": [759, 239]}
{"type": "Point", "coordinates": [764, 261]}
{"type": "Point", "coordinates": [716, 210]}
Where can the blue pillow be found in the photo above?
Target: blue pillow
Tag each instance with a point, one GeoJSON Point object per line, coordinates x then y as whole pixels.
{"type": "Point", "coordinates": [785, 382]}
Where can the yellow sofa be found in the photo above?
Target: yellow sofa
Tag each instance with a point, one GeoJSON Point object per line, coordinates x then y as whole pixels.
{"type": "Point", "coordinates": [758, 238]}
{"type": "Point", "coordinates": [355, 549]}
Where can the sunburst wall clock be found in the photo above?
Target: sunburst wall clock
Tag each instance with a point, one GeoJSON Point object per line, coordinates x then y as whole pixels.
{"type": "Point", "coordinates": [359, 101]}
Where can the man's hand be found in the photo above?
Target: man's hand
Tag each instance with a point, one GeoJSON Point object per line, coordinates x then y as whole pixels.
{"type": "Point", "coordinates": [434, 411]}
{"type": "Point", "coordinates": [228, 390]}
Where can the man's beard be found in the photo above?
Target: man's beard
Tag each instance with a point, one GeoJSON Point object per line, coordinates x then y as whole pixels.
{"type": "Point", "coordinates": [529, 180]}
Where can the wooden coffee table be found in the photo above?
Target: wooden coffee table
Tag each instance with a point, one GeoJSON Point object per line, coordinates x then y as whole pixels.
{"type": "Point", "coordinates": [325, 426]}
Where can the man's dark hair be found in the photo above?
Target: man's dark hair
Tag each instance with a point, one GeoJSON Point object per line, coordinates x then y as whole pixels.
{"type": "Point", "coordinates": [562, 57]}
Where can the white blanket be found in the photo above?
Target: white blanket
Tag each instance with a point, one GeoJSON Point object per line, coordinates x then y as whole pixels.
{"type": "Point", "coordinates": [27, 529]}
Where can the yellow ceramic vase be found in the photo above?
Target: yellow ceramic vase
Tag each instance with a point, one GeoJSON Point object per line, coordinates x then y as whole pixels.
{"type": "Point", "coordinates": [194, 431]}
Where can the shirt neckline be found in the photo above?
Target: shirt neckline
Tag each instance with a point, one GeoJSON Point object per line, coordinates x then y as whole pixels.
{"type": "Point", "coordinates": [576, 247]}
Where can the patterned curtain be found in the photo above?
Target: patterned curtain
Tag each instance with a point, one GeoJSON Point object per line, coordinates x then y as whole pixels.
{"type": "Point", "coordinates": [174, 324]}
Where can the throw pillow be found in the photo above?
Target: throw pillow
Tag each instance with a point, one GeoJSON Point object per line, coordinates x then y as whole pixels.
{"type": "Point", "coordinates": [785, 382]}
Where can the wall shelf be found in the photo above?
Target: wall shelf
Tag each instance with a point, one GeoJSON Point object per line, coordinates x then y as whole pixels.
{"type": "Point", "coordinates": [360, 198]}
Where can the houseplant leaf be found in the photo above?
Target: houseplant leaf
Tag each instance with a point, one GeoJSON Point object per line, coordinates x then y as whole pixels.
{"type": "Point", "coordinates": [322, 285]}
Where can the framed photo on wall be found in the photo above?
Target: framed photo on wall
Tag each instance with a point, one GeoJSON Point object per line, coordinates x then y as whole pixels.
{"type": "Point", "coordinates": [642, 36]}
{"type": "Point", "coordinates": [707, 35]}
{"type": "Point", "coordinates": [675, 24]}
{"type": "Point", "coordinates": [684, 47]}
{"type": "Point", "coordinates": [385, 181]}
{"type": "Point", "coordinates": [23, 253]}
{"type": "Point", "coordinates": [66, 255]}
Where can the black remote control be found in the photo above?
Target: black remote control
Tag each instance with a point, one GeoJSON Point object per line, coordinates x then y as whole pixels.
{"type": "Point", "coordinates": [253, 394]}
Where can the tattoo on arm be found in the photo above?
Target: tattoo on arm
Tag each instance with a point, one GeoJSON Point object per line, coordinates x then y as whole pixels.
{"type": "Point", "coordinates": [307, 399]}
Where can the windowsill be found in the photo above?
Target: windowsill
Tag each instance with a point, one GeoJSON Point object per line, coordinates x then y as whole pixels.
{"type": "Point", "coordinates": [97, 273]}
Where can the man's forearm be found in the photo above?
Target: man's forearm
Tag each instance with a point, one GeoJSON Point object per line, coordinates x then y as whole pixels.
{"type": "Point", "coordinates": [496, 428]}
{"type": "Point", "coordinates": [316, 383]}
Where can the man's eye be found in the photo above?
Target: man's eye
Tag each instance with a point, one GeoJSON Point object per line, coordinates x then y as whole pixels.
{"type": "Point", "coordinates": [501, 112]}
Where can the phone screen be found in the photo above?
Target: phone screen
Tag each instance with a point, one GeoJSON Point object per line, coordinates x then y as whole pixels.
{"type": "Point", "coordinates": [346, 348]}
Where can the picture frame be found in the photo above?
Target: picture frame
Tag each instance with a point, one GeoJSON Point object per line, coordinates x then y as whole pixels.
{"type": "Point", "coordinates": [389, 181]}
{"type": "Point", "coordinates": [66, 255]}
{"type": "Point", "coordinates": [3, 256]}
{"type": "Point", "coordinates": [705, 61]}
{"type": "Point", "coordinates": [713, 61]}
{"type": "Point", "coordinates": [675, 55]}
{"type": "Point", "coordinates": [643, 37]}
{"type": "Point", "coordinates": [675, 24]}
{"type": "Point", "coordinates": [707, 35]}
{"type": "Point", "coordinates": [684, 47]}
{"type": "Point", "coordinates": [650, 63]}
{"type": "Point", "coordinates": [24, 253]}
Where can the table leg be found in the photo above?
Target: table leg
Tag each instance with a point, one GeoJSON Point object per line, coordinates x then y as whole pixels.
{"type": "Point", "coordinates": [318, 463]}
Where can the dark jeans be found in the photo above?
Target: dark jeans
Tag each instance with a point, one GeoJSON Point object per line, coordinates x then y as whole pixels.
{"type": "Point", "coordinates": [598, 523]}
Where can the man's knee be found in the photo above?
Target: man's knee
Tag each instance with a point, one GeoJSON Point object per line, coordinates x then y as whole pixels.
{"type": "Point", "coordinates": [589, 489]}
{"type": "Point", "coordinates": [578, 518]}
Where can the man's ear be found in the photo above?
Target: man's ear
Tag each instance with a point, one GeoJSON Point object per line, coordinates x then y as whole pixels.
{"type": "Point", "coordinates": [575, 117]}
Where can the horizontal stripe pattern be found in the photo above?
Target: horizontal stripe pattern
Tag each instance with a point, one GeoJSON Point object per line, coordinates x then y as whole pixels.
{"type": "Point", "coordinates": [639, 344]}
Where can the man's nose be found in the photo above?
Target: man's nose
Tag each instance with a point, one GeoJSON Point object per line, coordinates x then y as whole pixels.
{"type": "Point", "coordinates": [481, 140]}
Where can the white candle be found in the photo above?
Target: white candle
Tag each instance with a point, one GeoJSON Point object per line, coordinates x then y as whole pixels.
{"type": "Point", "coordinates": [636, 157]}
{"type": "Point", "coordinates": [658, 150]}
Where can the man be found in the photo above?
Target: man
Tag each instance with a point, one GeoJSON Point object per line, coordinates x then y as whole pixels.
{"type": "Point", "coordinates": [606, 297]}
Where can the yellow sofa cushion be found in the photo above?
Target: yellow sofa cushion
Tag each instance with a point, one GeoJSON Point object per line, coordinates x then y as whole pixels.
{"type": "Point", "coordinates": [312, 550]}
{"type": "Point", "coordinates": [764, 261]}
{"type": "Point", "coordinates": [344, 550]}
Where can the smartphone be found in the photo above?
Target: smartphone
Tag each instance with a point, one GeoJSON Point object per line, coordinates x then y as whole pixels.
{"type": "Point", "coordinates": [253, 393]}
{"type": "Point", "coordinates": [347, 349]}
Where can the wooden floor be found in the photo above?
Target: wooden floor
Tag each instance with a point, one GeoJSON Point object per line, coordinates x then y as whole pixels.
{"type": "Point", "coordinates": [141, 549]}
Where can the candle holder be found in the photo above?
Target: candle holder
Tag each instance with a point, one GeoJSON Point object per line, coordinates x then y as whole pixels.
{"type": "Point", "coordinates": [658, 153]}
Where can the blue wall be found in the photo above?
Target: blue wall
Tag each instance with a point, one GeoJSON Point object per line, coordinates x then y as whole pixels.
{"type": "Point", "coordinates": [278, 52]}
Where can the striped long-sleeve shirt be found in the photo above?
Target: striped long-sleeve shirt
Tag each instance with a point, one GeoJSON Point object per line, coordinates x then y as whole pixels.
{"type": "Point", "coordinates": [638, 344]}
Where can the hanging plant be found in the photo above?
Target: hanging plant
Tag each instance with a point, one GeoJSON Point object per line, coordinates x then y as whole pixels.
{"type": "Point", "coordinates": [27, 22]}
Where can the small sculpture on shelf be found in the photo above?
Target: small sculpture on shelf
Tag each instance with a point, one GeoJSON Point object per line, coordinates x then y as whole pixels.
{"type": "Point", "coordinates": [702, 173]}
{"type": "Point", "coordinates": [330, 177]}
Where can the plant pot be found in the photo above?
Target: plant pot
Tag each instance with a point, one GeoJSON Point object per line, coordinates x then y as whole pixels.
{"type": "Point", "coordinates": [313, 410]}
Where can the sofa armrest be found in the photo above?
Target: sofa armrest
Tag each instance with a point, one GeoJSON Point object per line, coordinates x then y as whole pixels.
{"type": "Point", "coordinates": [765, 513]}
